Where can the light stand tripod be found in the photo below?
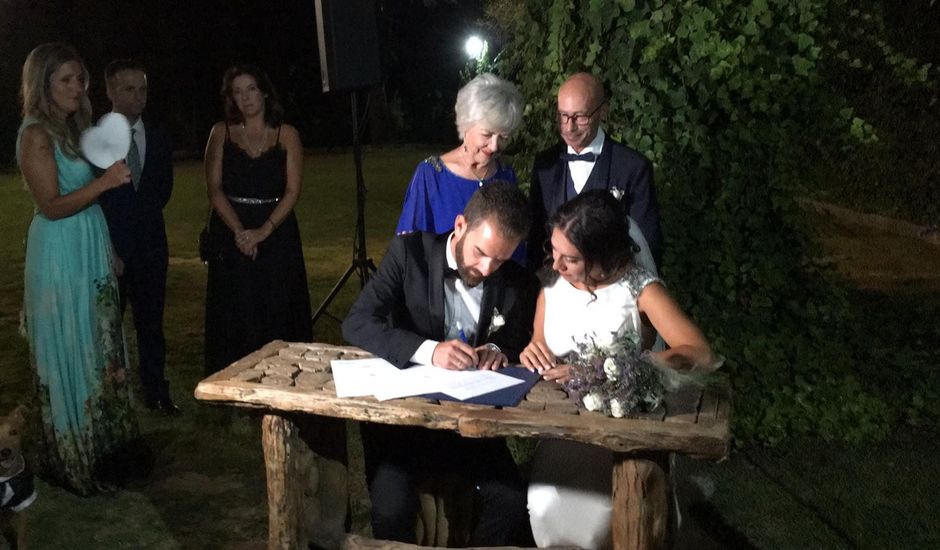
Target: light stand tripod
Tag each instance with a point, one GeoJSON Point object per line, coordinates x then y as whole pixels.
{"type": "Point", "coordinates": [361, 263]}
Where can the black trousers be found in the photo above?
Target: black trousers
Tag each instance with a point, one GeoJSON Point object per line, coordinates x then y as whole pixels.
{"type": "Point", "coordinates": [143, 284]}
{"type": "Point", "coordinates": [397, 456]}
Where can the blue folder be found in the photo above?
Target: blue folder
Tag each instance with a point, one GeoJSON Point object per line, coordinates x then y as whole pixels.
{"type": "Point", "coordinates": [506, 397]}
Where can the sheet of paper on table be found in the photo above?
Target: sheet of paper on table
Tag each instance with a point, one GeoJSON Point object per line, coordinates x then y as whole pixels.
{"type": "Point", "coordinates": [359, 377]}
{"type": "Point", "coordinates": [380, 378]}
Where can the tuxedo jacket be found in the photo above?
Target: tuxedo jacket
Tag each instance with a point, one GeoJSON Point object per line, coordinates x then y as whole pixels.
{"type": "Point", "coordinates": [403, 305]}
{"type": "Point", "coordinates": [617, 167]}
{"type": "Point", "coordinates": [135, 216]}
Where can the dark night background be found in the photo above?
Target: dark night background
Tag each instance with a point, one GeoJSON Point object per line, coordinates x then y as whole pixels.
{"type": "Point", "coordinates": [187, 45]}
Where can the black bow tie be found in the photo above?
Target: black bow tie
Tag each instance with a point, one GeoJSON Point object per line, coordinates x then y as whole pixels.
{"type": "Point", "coordinates": [588, 157]}
{"type": "Point", "coordinates": [450, 273]}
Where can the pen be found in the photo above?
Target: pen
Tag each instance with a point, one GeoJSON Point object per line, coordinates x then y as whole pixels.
{"type": "Point", "coordinates": [462, 336]}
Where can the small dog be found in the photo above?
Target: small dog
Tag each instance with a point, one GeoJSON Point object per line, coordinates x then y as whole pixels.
{"type": "Point", "coordinates": [16, 481]}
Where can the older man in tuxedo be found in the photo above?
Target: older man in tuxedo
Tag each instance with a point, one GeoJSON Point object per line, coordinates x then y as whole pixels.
{"type": "Point", "coordinates": [589, 159]}
{"type": "Point", "coordinates": [138, 233]}
{"type": "Point", "coordinates": [434, 301]}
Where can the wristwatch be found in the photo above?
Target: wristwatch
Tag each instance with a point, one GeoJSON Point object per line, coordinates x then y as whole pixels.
{"type": "Point", "coordinates": [492, 347]}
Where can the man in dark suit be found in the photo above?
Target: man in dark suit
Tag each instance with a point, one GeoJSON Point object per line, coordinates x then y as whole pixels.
{"type": "Point", "coordinates": [589, 159]}
{"type": "Point", "coordinates": [455, 302]}
{"type": "Point", "coordinates": [138, 233]}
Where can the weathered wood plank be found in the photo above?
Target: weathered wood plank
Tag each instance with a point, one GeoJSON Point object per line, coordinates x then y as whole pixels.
{"type": "Point", "coordinates": [464, 406]}
{"type": "Point", "coordinates": [295, 399]}
{"type": "Point", "coordinates": [641, 504]}
{"type": "Point", "coordinates": [708, 408]}
{"type": "Point", "coordinates": [561, 407]}
{"type": "Point", "coordinates": [617, 434]}
{"type": "Point", "coordinates": [623, 435]}
{"type": "Point", "coordinates": [723, 414]}
{"type": "Point", "coordinates": [357, 542]}
{"type": "Point", "coordinates": [547, 396]}
{"type": "Point", "coordinates": [545, 386]}
{"type": "Point", "coordinates": [280, 439]}
{"type": "Point", "coordinates": [247, 362]}
{"type": "Point", "coordinates": [658, 414]}
{"type": "Point", "coordinates": [533, 406]}
{"type": "Point", "coordinates": [682, 405]}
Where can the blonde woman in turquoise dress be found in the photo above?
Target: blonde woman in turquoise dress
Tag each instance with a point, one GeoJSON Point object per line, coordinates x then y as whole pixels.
{"type": "Point", "coordinates": [73, 318]}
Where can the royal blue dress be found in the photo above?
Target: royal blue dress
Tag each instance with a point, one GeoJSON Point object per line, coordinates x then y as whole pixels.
{"type": "Point", "coordinates": [76, 339]}
{"type": "Point", "coordinates": [436, 195]}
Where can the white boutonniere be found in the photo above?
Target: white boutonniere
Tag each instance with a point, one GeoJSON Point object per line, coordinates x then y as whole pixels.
{"type": "Point", "coordinates": [496, 322]}
{"type": "Point", "coordinates": [617, 193]}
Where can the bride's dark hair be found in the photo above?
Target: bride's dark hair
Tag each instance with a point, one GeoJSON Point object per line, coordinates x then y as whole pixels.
{"type": "Point", "coordinates": [596, 224]}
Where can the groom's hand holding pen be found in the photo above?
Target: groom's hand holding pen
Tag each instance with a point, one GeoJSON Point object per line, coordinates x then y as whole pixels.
{"type": "Point", "coordinates": [489, 356]}
{"type": "Point", "coordinates": [455, 354]}
{"type": "Point", "coordinates": [458, 354]}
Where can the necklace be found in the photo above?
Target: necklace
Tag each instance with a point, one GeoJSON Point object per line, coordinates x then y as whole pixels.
{"type": "Point", "coordinates": [475, 173]}
{"type": "Point", "coordinates": [255, 151]}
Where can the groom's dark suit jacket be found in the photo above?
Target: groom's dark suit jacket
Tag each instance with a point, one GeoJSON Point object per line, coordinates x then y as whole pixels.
{"type": "Point", "coordinates": [617, 167]}
{"type": "Point", "coordinates": [138, 233]}
{"type": "Point", "coordinates": [403, 305]}
{"type": "Point", "coordinates": [135, 216]}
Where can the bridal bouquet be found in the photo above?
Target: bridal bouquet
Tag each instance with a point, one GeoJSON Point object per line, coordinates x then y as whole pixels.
{"type": "Point", "coordinates": [616, 379]}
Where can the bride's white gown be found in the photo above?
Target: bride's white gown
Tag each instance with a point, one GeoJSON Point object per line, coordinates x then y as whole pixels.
{"type": "Point", "coordinates": [569, 491]}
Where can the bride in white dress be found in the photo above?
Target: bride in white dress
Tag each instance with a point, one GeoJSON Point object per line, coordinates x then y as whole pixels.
{"type": "Point", "coordinates": [594, 292]}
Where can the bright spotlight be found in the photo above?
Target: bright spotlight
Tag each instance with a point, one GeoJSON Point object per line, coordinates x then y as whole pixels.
{"type": "Point", "coordinates": [475, 46]}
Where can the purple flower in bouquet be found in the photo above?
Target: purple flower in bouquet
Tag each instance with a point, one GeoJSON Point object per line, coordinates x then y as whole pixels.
{"type": "Point", "coordinates": [616, 379]}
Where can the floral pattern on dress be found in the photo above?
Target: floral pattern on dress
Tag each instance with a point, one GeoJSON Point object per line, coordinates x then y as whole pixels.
{"type": "Point", "coordinates": [77, 459]}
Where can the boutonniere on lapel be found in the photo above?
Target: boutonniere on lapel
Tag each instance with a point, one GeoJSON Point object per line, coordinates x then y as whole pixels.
{"type": "Point", "coordinates": [496, 322]}
{"type": "Point", "coordinates": [617, 193]}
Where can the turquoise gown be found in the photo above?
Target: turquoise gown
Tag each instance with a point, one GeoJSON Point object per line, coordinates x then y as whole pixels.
{"type": "Point", "coordinates": [76, 340]}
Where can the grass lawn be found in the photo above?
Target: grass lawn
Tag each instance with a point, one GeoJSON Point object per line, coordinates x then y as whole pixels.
{"type": "Point", "coordinates": [207, 489]}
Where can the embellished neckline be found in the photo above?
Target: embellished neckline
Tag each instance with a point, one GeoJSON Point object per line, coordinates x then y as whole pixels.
{"type": "Point", "coordinates": [440, 166]}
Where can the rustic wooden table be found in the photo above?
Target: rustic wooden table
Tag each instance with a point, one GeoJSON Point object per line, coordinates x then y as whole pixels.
{"type": "Point", "coordinates": [293, 380]}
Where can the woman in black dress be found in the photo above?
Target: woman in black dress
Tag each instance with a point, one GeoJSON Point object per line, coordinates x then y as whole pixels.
{"type": "Point", "coordinates": [257, 287]}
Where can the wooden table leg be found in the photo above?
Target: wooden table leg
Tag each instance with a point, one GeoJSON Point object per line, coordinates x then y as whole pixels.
{"type": "Point", "coordinates": [280, 438]}
{"type": "Point", "coordinates": [640, 502]}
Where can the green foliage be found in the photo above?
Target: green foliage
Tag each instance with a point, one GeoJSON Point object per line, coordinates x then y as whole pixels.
{"type": "Point", "coordinates": [727, 99]}
{"type": "Point", "coordinates": [897, 172]}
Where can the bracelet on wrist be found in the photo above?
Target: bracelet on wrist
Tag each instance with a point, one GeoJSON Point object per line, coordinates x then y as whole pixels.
{"type": "Point", "coordinates": [273, 225]}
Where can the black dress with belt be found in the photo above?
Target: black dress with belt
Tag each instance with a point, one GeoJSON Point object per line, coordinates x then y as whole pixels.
{"type": "Point", "coordinates": [252, 302]}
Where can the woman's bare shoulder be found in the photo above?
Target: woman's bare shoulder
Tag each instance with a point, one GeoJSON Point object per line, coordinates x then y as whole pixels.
{"type": "Point", "coordinates": [218, 128]}
{"type": "Point", "coordinates": [289, 135]}
{"type": "Point", "coordinates": [34, 136]}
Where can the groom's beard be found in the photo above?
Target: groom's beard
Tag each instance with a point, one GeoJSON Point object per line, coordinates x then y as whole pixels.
{"type": "Point", "coordinates": [470, 277]}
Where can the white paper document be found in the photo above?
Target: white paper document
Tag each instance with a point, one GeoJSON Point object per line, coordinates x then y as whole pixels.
{"type": "Point", "coordinates": [383, 380]}
{"type": "Point", "coordinates": [358, 377]}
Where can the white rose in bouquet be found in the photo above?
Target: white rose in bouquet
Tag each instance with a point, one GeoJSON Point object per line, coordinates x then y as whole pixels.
{"type": "Point", "coordinates": [611, 369]}
{"type": "Point", "coordinates": [593, 401]}
{"type": "Point", "coordinates": [618, 408]}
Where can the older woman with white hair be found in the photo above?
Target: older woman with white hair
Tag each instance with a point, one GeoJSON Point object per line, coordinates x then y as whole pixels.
{"type": "Point", "coordinates": [488, 110]}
